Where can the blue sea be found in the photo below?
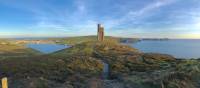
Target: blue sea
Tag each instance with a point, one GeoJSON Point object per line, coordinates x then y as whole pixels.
{"type": "Point", "coordinates": [47, 48]}
{"type": "Point", "coordinates": [179, 48]}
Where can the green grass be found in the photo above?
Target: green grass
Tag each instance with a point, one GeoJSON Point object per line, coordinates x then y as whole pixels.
{"type": "Point", "coordinates": [81, 39]}
{"type": "Point", "coordinates": [15, 50]}
{"type": "Point", "coordinates": [140, 70]}
{"type": "Point", "coordinates": [77, 65]}
{"type": "Point", "coordinates": [50, 70]}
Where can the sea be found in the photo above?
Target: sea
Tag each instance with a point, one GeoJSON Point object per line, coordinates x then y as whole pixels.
{"type": "Point", "coordinates": [47, 48]}
{"type": "Point", "coordinates": [179, 48]}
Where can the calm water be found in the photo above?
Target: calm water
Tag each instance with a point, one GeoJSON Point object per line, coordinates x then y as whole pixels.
{"type": "Point", "coordinates": [47, 48]}
{"type": "Point", "coordinates": [177, 48]}
{"type": "Point", "coordinates": [105, 70]}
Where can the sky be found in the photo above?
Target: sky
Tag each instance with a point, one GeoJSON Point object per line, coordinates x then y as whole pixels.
{"type": "Point", "coordinates": [121, 18]}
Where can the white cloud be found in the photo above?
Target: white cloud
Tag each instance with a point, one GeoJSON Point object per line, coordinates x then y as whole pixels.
{"type": "Point", "coordinates": [135, 15]}
{"type": "Point", "coordinates": [81, 7]}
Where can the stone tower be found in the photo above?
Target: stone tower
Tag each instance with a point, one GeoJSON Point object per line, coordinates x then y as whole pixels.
{"type": "Point", "coordinates": [100, 33]}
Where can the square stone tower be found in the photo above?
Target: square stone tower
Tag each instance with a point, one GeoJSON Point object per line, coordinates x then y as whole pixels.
{"type": "Point", "coordinates": [100, 33]}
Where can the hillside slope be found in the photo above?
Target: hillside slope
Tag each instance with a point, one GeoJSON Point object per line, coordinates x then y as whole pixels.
{"type": "Point", "coordinates": [9, 49]}
{"type": "Point", "coordinates": [81, 39]}
{"type": "Point", "coordinates": [80, 66]}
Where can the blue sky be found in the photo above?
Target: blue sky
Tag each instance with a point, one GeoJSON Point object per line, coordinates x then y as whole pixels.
{"type": "Point", "coordinates": [124, 18]}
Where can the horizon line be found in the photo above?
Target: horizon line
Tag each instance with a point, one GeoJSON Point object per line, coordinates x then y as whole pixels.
{"type": "Point", "coordinates": [91, 35]}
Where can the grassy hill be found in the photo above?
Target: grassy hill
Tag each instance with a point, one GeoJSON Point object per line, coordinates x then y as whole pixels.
{"type": "Point", "coordinates": [135, 69]}
{"type": "Point", "coordinates": [81, 39]}
{"type": "Point", "coordinates": [9, 49]}
{"type": "Point", "coordinates": [80, 67]}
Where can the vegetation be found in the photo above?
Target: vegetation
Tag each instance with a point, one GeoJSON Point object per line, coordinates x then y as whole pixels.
{"type": "Point", "coordinates": [80, 66]}
{"type": "Point", "coordinates": [9, 49]}
{"type": "Point", "coordinates": [81, 39]}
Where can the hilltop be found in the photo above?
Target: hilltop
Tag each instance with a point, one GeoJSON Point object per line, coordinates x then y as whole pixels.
{"type": "Point", "coordinates": [81, 39]}
{"type": "Point", "coordinates": [113, 53]}
{"type": "Point", "coordinates": [130, 68]}
{"type": "Point", "coordinates": [80, 66]}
